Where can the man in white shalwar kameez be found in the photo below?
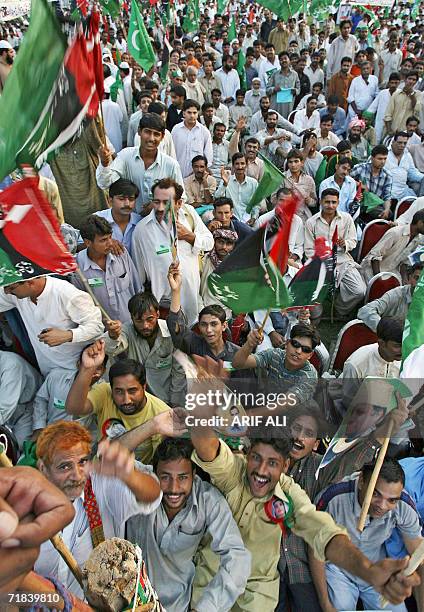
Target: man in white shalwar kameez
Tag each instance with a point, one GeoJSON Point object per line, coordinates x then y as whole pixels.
{"type": "Point", "coordinates": [152, 248]}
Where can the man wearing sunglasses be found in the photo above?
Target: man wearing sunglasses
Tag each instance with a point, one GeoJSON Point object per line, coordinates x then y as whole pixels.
{"type": "Point", "coordinates": [290, 365]}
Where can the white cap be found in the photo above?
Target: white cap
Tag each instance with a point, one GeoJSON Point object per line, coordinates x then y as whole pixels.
{"type": "Point", "coordinates": [4, 44]}
{"type": "Point", "coordinates": [124, 65]}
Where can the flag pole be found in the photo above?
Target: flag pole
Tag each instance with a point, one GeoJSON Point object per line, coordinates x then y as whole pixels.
{"type": "Point", "coordinates": [93, 297]}
{"type": "Point", "coordinates": [415, 561]}
{"type": "Point", "coordinates": [56, 540]}
{"type": "Point", "coordinates": [261, 328]}
{"type": "Point", "coordinates": [374, 477]}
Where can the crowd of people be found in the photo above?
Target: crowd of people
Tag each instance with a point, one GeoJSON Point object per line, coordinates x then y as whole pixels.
{"type": "Point", "coordinates": [152, 197]}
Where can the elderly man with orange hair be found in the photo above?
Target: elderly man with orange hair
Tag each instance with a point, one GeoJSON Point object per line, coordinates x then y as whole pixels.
{"type": "Point", "coordinates": [105, 493]}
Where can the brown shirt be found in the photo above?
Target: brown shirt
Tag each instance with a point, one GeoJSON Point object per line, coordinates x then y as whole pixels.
{"type": "Point", "coordinates": [339, 86]}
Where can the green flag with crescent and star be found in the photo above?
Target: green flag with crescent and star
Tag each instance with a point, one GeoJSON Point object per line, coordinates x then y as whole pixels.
{"type": "Point", "coordinates": [139, 44]}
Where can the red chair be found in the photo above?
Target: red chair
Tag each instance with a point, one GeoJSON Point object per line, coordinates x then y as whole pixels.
{"type": "Point", "coordinates": [329, 151]}
{"type": "Point", "coordinates": [380, 284]}
{"type": "Point", "coordinates": [373, 231]}
{"type": "Point", "coordinates": [403, 206]}
{"type": "Point", "coordinates": [351, 337]}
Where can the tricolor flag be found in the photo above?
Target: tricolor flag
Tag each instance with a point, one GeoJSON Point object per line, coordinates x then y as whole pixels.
{"type": "Point", "coordinates": [314, 280]}
{"type": "Point", "coordinates": [251, 277]}
{"type": "Point", "coordinates": [59, 83]}
{"type": "Point", "coordinates": [30, 240]}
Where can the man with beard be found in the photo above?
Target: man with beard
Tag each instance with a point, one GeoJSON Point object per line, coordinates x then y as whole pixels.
{"type": "Point", "coordinates": [7, 55]}
{"type": "Point", "coordinates": [104, 493]}
{"type": "Point", "coordinates": [170, 537]}
{"type": "Point", "coordinates": [224, 242]}
{"type": "Point", "coordinates": [391, 507]}
{"type": "Point", "coordinates": [359, 145]}
{"type": "Point", "coordinates": [146, 339]}
{"type": "Point", "coordinates": [121, 404]}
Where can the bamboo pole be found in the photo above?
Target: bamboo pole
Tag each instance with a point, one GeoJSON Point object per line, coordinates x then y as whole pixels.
{"type": "Point", "coordinates": [374, 478]}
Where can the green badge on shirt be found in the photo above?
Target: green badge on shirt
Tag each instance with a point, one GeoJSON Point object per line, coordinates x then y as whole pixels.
{"type": "Point", "coordinates": [58, 403]}
{"type": "Point", "coordinates": [166, 362]}
{"type": "Point", "coordinates": [95, 282]}
{"type": "Point", "coordinates": [163, 249]}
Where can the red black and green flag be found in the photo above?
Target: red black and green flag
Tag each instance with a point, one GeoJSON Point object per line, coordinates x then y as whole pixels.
{"type": "Point", "coordinates": [251, 277]}
{"type": "Point", "coordinates": [59, 81]}
{"type": "Point", "coordinates": [314, 281]}
{"type": "Point", "coordinates": [30, 240]}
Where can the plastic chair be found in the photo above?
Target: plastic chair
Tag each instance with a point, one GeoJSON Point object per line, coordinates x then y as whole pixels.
{"type": "Point", "coordinates": [292, 116]}
{"type": "Point", "coordinates": [351, 337]}
{"type": "Point", "coordinates": [380, 284]}
{"type": "Point", "coordinates": [373, 231]}
{"type": "Point", "coordinates": [402, 206]}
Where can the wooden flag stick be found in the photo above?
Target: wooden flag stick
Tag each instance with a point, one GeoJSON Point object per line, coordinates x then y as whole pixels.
{"type": "Point", "coordinates": [89, 290]}
{"type": "Point", "coordinates": [56, 540]}
{"type": "Point", "coordinates": [415, 561]}
{"type": "Point", "coordinates": [374, 477]}
{"type": "Point", "coordinates": [261, 328]}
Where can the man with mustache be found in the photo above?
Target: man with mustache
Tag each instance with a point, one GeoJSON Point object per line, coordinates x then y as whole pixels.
{"type": "Point", "coordinates": [265, 501]}
{"type": "Point", "coordinates": [104, 493]}
{"type": "Point", "coordinates": [7, 55]}
{"type": "Point", "coordinates": [122, 404]}
{"type": "Point", "coordinates": [171, 536]}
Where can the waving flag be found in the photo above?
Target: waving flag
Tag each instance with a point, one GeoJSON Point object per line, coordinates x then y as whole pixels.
{"type": "Point", "coordinates": [139, 44]}
{"type": "Point", "coordinates": [251, 277]}
{"type": "Point", "coordinates": [271, 180]}
{"type": "Point", "coordinates": [30, 240]}
{"type": "Point", "coordinates": [413, 333]}
{"type": "Point", "coordinates": [314, 280]}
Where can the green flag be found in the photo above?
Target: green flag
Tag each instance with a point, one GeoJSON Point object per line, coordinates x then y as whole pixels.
{"type": "Point", "coordinates": [413, 333]}
{"type": "Point", "coordinates": [222, 6]}
{"type": "Point", "coordinates": [241, 62]}
{"type": "Point", "coordinates": [271, 180]}
{"type": "Point", "coordinates": [371, 201]}
{"type": "Point", "coordinates": [232, 30]}
{"type": "Point", "coordinates": [117, 85]}
{"type": "Point", "coordinates": [111, 7]}
{"type": "Point", "coordinates": [33, 78]}
{"type": "Point", "coordinates": [321, 173]}
{"type": "Point", "coordinates": [192, 19]}
{"type": "Point", "coordinates": [139, 44]}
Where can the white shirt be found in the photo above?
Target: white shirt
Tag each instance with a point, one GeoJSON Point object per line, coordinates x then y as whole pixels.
{"type": "Point", "coordinates": [189, 143]}
{"type": "Point", "coordinates": [60, 306]}
{"type": "Point", "coordinates": [166, 145]}
{"type": "Point", "coordinates": [401, 172]}
{"type": "Point", "coordinates": [363, 92]}
{"type": "Point", "coordinates": [241, 194]}
{"type": "Point", "coordinates": [302, 122]}
{"type": "Point", "coordinates": [379, 106]}
{"type": "Point", "coordinates": [116, 505]}
{"type": "Point", "coordinates": [152, 255]}
{"type": "Point", "coordinates": [230, 82]}
{"type": "Point", "coordinates": [113, 117]}
{"type": "Point", "coordinates": [266, 67]}
{"type": "Point", "coordinates": [296, 235]}
{"type": "Point", "coordinates": [316, 76]}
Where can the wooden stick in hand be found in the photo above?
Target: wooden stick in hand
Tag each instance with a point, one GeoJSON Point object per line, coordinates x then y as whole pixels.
{"type": "Point", "coordinates": [415, 561]}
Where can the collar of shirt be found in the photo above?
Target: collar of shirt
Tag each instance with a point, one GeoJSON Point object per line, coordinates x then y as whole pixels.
{"type": "Point", "coordinates": [338, 216]}
{"type": "Point", "coordinates": [158, 160]}
{"type": "Point", "coordinates": [234, 180]}
{"type": "Point", "coordinates": [85, 262]}
{"type": "Point", "coordinates": [134, 217]}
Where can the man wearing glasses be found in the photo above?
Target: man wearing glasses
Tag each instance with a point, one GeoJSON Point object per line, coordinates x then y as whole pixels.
{"type": "Point", "coordinates": [289, 364]}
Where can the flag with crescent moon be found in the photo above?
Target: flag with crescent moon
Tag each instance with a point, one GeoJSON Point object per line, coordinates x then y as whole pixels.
{"type": "Point", "coordinates": [139, 44]}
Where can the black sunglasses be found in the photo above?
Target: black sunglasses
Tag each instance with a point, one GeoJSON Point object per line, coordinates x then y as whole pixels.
{"type": "Point", "coordinates": [305, 349]}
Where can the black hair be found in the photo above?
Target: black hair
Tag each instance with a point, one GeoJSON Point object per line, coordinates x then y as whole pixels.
{"type": "Point", "coordinates": [123, 187]}
{"type": "Point", "coordinates": [330, 191]}
{"type": "Point", "coordinates": [343, 145]}
{"type": "Point", "coordinates": [294, 154]}
{"type": "Point", "coordinates": [125, 367]}
{"type": "Point", "coordinates": [419, 216]}
{"type": "Point", "coordinates": [303, 329]}
{"type": "Point", "coordinates": [345, 160]}
{"type": "Point", "coordinates": [214, 310]}
{"type": "Point", "coordinates": [282, 446]}
{"type": "Point", "coordinates": [191, 104]}
{"type": "Point", "coordinates": [199, 158]}
{"type": "Point", "coordinates": [326, 118]}
{"type": "Point", "coordinates": [151, 121]}
{"type": "Point", "coordinates": [156, 107]}
{"type": "Point", "coordinates": [391, 471]}
{"type": "Point", "coordinates": [166, 183]}
{"type": "Point", "coordinates": [379, 150]}
{"type": "Point", "coordinates": [142, 302]}
{"type": "Point", "coordinates": [222, 202]}
{"type": "Point", "coordinates": [95, 226]}
{"type": "Point", "coordinates": [390, 329]}
{"type": "Point", "coordinates": [172, 449]}
{"type": "Point", "coordinates": [237, 156]}
{"type": "Point", "coordinates": [333, 100]}
{"type": "Point", "coordinates": [179, 90]}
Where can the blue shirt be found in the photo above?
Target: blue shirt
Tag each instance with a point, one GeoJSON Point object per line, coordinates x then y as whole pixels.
{"type": "Point", "coordinates": [117, 234]}
{"type": "Point", "coordinates": [339, 119]}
